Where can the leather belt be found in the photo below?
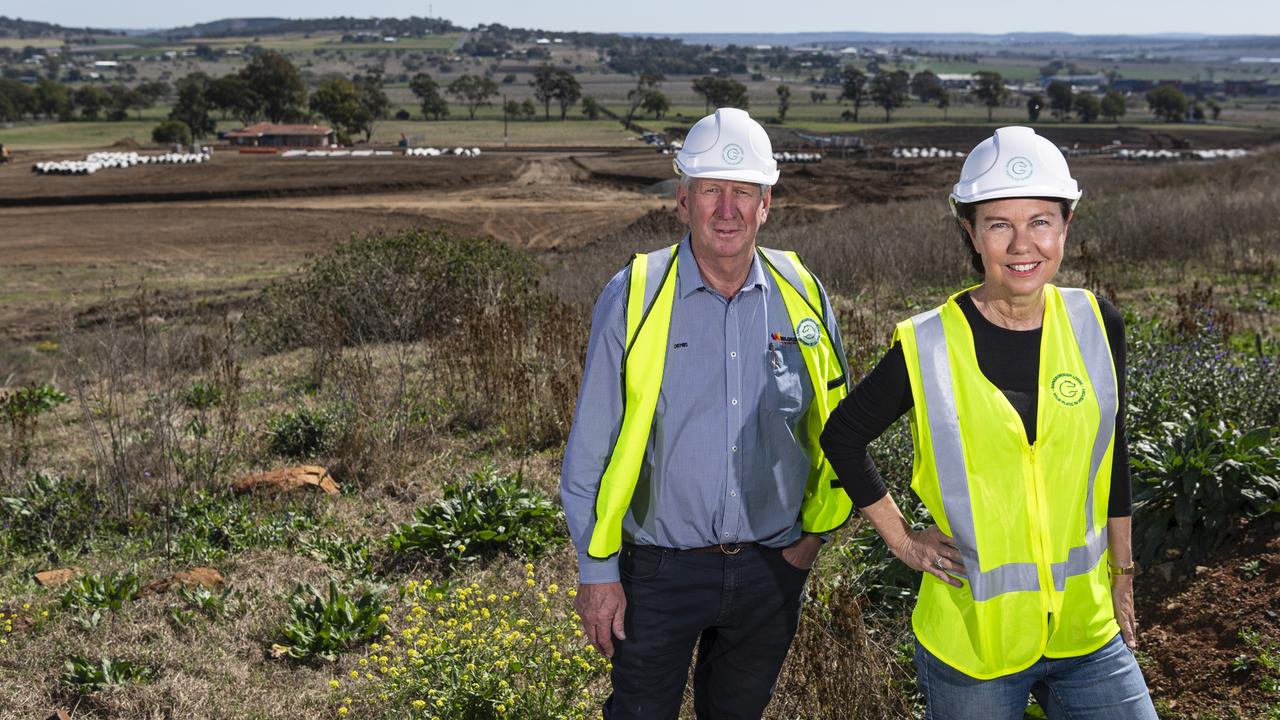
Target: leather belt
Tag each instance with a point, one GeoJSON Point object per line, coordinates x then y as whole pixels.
{"type": "Point", "coordinates": [726, 548]}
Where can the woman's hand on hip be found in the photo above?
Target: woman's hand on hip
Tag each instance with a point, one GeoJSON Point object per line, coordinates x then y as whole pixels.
{"type": "Point", "coordinates": [1122, 601]}
{"type": "Point", "coordinates": [932, 551]}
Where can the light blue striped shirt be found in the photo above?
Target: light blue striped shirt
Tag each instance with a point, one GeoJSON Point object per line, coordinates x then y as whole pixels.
{"type": "Point", "coordinates": [726, 460]}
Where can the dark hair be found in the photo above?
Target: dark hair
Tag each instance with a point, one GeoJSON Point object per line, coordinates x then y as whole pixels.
{"type": "Point", "coordinates": [969, 211]}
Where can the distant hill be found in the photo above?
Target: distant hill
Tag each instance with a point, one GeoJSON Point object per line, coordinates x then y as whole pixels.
{"type": "Point", "coordinates": [870, 38]}
{"type": "Point", "coordinates": [19, 28]}
{"type": "Point", "coordinates": [273, 26]}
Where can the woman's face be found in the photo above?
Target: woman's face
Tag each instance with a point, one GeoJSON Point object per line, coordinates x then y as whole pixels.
{"type": "Point", "coordinates": [1020, 241]}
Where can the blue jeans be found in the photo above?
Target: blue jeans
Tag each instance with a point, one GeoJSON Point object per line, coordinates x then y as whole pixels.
{"type": "Point", "coordinates": [740, 611]}
{"type": "Point", "coordinates": [1106, 684]}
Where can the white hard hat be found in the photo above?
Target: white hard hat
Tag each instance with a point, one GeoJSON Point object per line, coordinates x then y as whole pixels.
{"type": "Point", "coordinates": [1015, 162]}
{"type": "Point", "coordinates": [728, 145]}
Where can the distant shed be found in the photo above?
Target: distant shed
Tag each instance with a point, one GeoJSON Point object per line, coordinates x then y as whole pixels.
{"type": "Point", "coordinates": [272, 135]}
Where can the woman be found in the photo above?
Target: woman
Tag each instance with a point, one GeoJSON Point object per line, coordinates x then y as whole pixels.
{"type": "Point", "coordinates": [1015, 389]}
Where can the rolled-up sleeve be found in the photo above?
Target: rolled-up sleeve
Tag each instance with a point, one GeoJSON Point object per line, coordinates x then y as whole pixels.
{"type": "Point", "coordinates": [596, 423]}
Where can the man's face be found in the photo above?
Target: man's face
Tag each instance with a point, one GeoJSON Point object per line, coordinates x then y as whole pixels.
{"type": "Point", "coordinates": [723, 216]}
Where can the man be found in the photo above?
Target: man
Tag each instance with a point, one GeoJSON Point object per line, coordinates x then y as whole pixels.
{"type": "Point", "coordinates": [693, 482]}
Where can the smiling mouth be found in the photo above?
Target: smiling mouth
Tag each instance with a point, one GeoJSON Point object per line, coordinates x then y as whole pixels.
{"type": "Point", "coordinates": [1024, 268]}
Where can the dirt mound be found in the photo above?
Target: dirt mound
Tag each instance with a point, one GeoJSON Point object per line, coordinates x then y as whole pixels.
{"type": "Point", "coordinates": [1212, 635]}
{"type": "Point", "coordinates": [126, 143]}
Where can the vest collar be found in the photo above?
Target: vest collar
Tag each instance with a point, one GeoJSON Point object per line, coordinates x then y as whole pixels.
{"type": "Point", "coordinates": [689, 277]}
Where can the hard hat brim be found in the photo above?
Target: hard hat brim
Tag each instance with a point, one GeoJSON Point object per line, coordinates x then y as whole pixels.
{"type": "Point", "coordinates": [754, 177]}
{"type": "Point", "coordinates": [1024, 191]}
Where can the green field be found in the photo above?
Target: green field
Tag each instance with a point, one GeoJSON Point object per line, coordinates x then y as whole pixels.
{"type": "Point", "coordinates": [80, 135]}
{"type": "Point", "coordinates": [489, 132]}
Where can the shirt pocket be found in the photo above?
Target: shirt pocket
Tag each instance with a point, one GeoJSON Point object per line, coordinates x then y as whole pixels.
{"type": "Point", "coordinates": [784, 392]}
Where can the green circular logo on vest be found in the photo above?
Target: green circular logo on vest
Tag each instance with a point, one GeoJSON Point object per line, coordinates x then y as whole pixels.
{"type": "Point", "coordinates": [808, 332]}
{"type": "Point", "coordinates": [1068, 389]}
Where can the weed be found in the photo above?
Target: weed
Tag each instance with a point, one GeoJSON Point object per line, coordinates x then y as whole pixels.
{"type": "Point", "coordinates": [301, 434]}
{"type": "Point", "coordinates": [21, 410]}
{"type": "Point", "coordinates": [215, 524]}
{"type": "Point", "coordinates": [353, 556]}
{"type": "Point", "coordinates": [1194, 481]}
{"type": "Point", "coordinates": [84, 676]}
{"type": "Point", "coordinates": [50, 516]}
{"type": "Point", "coordinates": [471, 653]}
{"type": "Point", "coordinates": [200, 600]}
{"type": "Point", "coordinates": [91, 594]}
{"type": "Point", "coordinates": [323, 627]}
{"type": "Point", "coordinates": [1251, 569]}
{"type": "Point", "coordinates": [479, 517]}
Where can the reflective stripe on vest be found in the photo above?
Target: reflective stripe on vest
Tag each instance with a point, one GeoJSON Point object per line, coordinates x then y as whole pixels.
{"type": "Point", "coordinates": [649, 306]}
{"type": "Point", "coordinates": [952, 622]}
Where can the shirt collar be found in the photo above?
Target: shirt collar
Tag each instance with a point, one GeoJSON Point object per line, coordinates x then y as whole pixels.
{"type": "Point", "coordinates": [689, 276]}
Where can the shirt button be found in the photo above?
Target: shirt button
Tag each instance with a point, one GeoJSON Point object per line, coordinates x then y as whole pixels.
{"type": "Point", "coordinates": [726, 534]}
{"type": "Point", "coordinates": [733, 493]}
{"type": "Point", "coordinates": [733, 401]}
{"type": "Point", "coordinates": [733, 354]}
{"type": "Point", "coordinates": [734, 448]}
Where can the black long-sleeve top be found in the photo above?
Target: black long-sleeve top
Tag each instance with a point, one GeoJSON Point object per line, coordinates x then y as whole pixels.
{"type": "Point", "coordinates": [1010, 359]}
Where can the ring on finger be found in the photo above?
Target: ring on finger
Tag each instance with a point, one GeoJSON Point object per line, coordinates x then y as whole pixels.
{"type": "Point", "coordinates": [938, 563]}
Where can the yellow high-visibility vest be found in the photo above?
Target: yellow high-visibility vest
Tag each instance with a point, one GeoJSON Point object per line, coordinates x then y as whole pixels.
{"type": "Point", "coordinates": [650, 297]}
{"type": "Point", "coordinates": [1030, 520]}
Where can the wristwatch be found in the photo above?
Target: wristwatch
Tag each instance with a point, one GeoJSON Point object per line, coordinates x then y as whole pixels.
{"type": "Point", "coordinates": [1130, 569]}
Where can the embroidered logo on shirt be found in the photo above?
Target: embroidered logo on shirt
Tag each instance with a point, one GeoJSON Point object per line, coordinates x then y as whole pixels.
{"type": "Point", "coordinates": [783, 339]}
{"type": "Point", "coordinates": [808, 332]}
{"type": "Point", "coordinates": [1068, 389]}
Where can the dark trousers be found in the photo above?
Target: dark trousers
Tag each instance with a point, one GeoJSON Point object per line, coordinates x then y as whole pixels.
{"type": "Point", "coordinates": [741, 611]}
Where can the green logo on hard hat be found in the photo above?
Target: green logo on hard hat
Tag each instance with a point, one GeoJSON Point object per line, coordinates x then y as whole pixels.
{"type": "Point", "coordinates": [733, 154]}
{"type": "Point", "coordinates": [808, 332]}
{"type": "Point", "coordinates": [1067, 389]}
{"type": "Point", "coordinates": [1019, 168]}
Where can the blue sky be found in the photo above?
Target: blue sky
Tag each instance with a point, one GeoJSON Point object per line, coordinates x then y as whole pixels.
{"type": "Point", "coordinates": [992, 16]}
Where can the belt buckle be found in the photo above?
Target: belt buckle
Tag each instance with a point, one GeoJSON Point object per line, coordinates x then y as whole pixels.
{"type": "Point", "coordinates": [730, 548]}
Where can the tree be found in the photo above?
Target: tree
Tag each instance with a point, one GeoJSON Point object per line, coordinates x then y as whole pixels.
{"type": "Point", "coordinates": [171, 131]}
{"type": "Point", "coordinates": [591, 108]}
{"type": "Point", "coordinates": [1215, 109]}
{"type": "Point", "coordinates": [154, 90]}
{"type": "Point", "coordinates": [1087, 107]}
{"type": "Point", "coordinates": [646, 83]}
{"type": "Point", "coordinates": [1061, 99]}
{"type": "Point", "coordinates": [568, 92]}
{"type": "Point", "coordinates": [944, 102]}
{"type": "Point", "coordinates": [926, 86]}
{"type": "Point", "coordinates": [51, 99]}
{"type": "Point", "coordinates": [121, 99]}
{"type": "Point", "coordinates": [1035, 104]}
{"type": "Point", "coordinates": [1197, 112]}
{"type": "Point", "coordinates": [656, 102]}
{"type": "Point", "coordinates": [721, 92]}
{"type": "Point", "coordinates": [784, 102]}
{"type": "Point", "coordinates": [372, 101]}
{"type": "Point", "coordinates": [338, 101]}
{"type": "Point", "coordinates": [817, 98]}
{"type": "Point", "coordinates": [544, 87]}
{"type": "Point", "coordinates": [528, 110]}
{"type": "Point", "coordinates": [990, 90]}
{"type": "Point", "coordinates": [1167, 103]}
{"type": "Point", "coordinates": [511, 109]}
{"type": "Point", "coordinates": [853, 87]}
{"type": "Point", "coordinates": [427, 90]}
{"type": "Point", "coordinates": [231, 95]}
{"type": "Point", "coordinates": [889, 91]}
{"type": "Point", "coordinates": [192, 105]}
{"type": "Point", "coordinates": [473, 91]}
{"type": "Point", "coordinates": [1113, 106]}
{"type": "Point", "coordinates": [91, 101]}
{"type": "Point", "coordinates": [277, 85]}
{"type": "Point", "coordinates": [16, 99]}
